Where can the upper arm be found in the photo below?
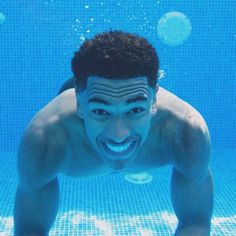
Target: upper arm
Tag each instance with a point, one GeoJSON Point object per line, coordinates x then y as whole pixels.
{"type": "Point", "coordinates": [37, 162]}
{"type": "Point", "coordinates": [193, 154]}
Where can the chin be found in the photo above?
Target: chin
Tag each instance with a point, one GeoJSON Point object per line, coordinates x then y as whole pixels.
{"type": "Point", "coordinates": [118, 164]}
{"type": "Point", "coordinates": [122, 159]}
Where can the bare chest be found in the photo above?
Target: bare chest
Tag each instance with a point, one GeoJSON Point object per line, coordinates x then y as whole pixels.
{"type": "Point", "coordinates": [82, 160]}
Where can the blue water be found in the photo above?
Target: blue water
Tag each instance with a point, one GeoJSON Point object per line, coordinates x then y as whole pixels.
{"type": "Point", "coordinates": [37, 42]}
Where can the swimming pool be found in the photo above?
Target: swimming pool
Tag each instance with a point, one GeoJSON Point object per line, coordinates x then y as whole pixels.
{"type": "Point", "coordinates": [37, 41]}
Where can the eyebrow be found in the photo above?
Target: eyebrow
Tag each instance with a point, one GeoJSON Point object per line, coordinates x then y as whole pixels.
{"type": "Point", "coordinates": [128, 101]}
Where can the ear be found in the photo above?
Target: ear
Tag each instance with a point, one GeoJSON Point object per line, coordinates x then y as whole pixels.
{"type": "Point", "coordinates": [157, 88]}
{"type": "Point", "coordinates": [154, 109]}
{"type": "Point", "coordinates": [154, 103]}
{"type": "Point", "coordinates": [79, 109]}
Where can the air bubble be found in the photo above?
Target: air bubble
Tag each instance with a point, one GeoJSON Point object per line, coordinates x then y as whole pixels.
{"type": "Point", "coordinates": [2, 18]}
{"type": "Point", "coordinates": [174, 28]}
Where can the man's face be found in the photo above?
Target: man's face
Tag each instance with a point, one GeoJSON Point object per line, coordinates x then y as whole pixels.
{"type": "Point", "coordinates": [117, 116]}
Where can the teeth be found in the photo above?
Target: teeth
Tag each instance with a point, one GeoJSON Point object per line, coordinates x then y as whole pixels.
{"type": "Point", "coordinates": [118, 148]}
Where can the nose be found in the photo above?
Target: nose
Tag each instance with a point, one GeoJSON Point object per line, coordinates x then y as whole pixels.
{"type": "Point", "coordinates": [118, 131]}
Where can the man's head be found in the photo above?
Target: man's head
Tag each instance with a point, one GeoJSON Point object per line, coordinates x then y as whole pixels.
{"type": "Point", "coordinates": [115, 55]}
{"type": "Point", "coordinates": [116, 94]}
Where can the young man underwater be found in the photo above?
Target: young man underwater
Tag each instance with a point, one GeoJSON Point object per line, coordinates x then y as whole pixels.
{"type": "Point", "coordinates": [114, 117]}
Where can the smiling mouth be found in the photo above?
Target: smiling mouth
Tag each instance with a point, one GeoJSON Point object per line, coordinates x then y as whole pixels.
{"type": "Point", "coordinates": [119, 152]}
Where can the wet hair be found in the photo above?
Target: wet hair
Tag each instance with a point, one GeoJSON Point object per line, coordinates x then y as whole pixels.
{"type": "Point", "coordinates": [115, 55]}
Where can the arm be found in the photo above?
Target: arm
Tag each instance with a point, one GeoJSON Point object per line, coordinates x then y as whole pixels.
{"type": "Point", "coordinates": [193, 202]}
{"type": "Point", "coordinates": [191, 183]}
{"type": "Point", "coordinates": [35, 210]}
{"type": "Point", "coordinates": [37, 195]}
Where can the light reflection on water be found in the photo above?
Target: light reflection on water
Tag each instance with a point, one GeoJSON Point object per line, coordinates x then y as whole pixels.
{"type": "Point", "coordinates": [160, 223]}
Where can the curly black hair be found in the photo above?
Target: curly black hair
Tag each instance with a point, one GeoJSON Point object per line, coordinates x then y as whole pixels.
{"type": "Point", "coordinates": [115, 55]}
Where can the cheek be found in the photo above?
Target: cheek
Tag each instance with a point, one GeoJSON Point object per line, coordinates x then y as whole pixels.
{"type": "Point", "coordinates": [139, 126]}
{"type": "Point", "coordinates": [143, 125]}
{"type": "Point", "coordinates": [92, 127]}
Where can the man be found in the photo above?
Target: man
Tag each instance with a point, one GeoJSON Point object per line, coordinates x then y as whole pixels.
{"type": "Point", "coordinates": [114, 117]}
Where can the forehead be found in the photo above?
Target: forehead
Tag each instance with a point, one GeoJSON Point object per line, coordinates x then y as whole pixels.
{"type": "Point", "coordinates": [116, 83]}
{"type": "Point", "coordinates": [115, 90]}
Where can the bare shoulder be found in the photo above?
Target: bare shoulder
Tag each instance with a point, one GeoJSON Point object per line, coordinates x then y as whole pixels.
{"type": "Point", "coordinates": [179, 112]}
{"type": "Point", "coordinates": [42, 147]}
{"type": "Point", "coordinates": [186, 133]}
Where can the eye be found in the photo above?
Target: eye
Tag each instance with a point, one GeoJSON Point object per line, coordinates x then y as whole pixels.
{"type": "Point", "coordinates": [137, 110]}
{"type": "Point", "coordinates": [99, 112]}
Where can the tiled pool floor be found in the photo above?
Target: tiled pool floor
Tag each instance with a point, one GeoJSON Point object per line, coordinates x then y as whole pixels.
{"type": "Point", "coordinates": [112, 206]}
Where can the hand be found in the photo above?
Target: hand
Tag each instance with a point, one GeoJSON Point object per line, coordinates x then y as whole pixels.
{"type": "Point", "coordinates": [192, 231]}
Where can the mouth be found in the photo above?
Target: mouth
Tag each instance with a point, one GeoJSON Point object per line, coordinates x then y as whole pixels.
{"type": "Point", "coordinates": [119, 152]}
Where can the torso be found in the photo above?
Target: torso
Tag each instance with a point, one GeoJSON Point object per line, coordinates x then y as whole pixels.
{"type": "Point", "coordinates": [80, 159]}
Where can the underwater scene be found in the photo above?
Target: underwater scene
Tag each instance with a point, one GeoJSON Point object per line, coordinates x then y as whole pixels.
{"type": "Point", "coordinates": [196, 46]}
